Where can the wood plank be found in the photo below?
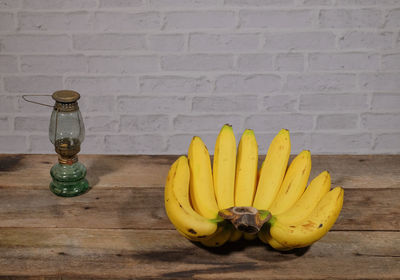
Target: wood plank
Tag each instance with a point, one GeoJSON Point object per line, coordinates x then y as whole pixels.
{"type": "Point", "coordinates": [165, 254]}
{"type": "Point", "coordinates": [143, 208]}
{"type": "Point", "coordinates": [364, 171]}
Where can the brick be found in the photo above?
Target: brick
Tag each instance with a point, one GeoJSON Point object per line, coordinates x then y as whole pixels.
{"type": "Point", "coordinates": [380, 121]}
{"type": "Point", "coordinates": [391, 62]}
{"type": "Point", "coordinates": [337, 121]}
{"type": "Point", "coordinates": [380, 81]}
{"type": "Point", "coordinates": [179, 143]}
{"type": "Point", "coordinates": [315, 40]}
{"type": "Point", "coordinates": [197, 62]}
{"type": "Point", "coordinates": [9, 4]}
{"type": "Point", "coordinates": [123, 64]}
{"type": "Point", "coordinates": [392, 19]}
{"type": "Point", "coordinates": [93, 144]}
{"type": "Point", "coordinates": [40, 144]}
{"type": "Point", "coordinates": [328, 82]}
{"type": "Point", "coordinates": [32, 124]}
{"type": "Point", "coordinates": [385, 102]}
{"type": "Point", "coordinates": [255, 62]}
{"type": "Point", "coordinates": [174, 84]}
{"type": "Point", "coordinates": [387, 142]}
{"type": "Point", "coordinates": [13, 144]}
{"type": "Point", "coordinates": [196, 123]}
{"type": "Point", "coordinates": [317, 2]}
{"type": "Point", "coordinates": [289, 62]}
{"type": "Point", "coordinates": [366, 40]}
{"type": "Point", "coordinates": [4, 123]}
{"type": "Point", "coordinates": [95, 124]}
{"type": "Point", "coordinates": [350, 18]}
{"type": "Point", "coordinates": [118, 42]}
{"type": "Point", "coordinates": [32, 84]}
{"type": "Point", "coordinates": [166, 42]}
{"type": "Point", "coordinates": [144, 123]}
{"type": "Point", "coordinates": [225, 104]}
{"type": "Point", "coordinates": [200, 20]}
{"type": "Point", "coordinates": [7, 104]}
{"type": "Point", "coordinates": [8, 64]}
{"type": "Point", "coordinates": [58, 64]}
{"type": "Point", "coordinates": [137, 144]}
{"type": "Point", "coordinates": [275, 122]}
{"type": "Point", "coordinates": [223, 42]}
{"type": "Point", "coordinates": [102, 85]}
{"type": "Point", "coordinates": [333, 102]}
{"type": "Point", "coordinates": [324, 143]}
{"type": "Point", "coordinates": [120, 3]}
{"type": "Point", "coordinates": [59, 4]}
{"type": "Point", "coordinates": [343, 61]}
{"type": "Point", "coordinates": [248, 83]}
{"type": "Point", "coordinates": [7, 22]}
{"type": "Point", "coordinates": [97, 104]}
{"type": "Point", "coordinates": [280, 103]}
{"type": "Point", "coordinates": [183, 3]}
{"type": "Point", "coordinates": [258, 3]}
{"type": "Point", "coordinates": [367, 2]}
{"type": "Point", "coordinates": [276, 19]}
{"type": "Point", "coordinates": [118, 21]}
{"type": "Point", "coordinates": [18, 43]}
{"type": "Point", "coordinates": [54, 21]}
{"type": "Point", "coordinates": [155, 105]}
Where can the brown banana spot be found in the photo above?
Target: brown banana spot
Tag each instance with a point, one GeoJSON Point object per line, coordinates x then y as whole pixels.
{"type": "Point", "coordinates": [192, 231]}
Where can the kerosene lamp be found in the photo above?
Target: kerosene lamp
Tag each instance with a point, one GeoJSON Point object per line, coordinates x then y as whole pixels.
{"type": "Point", "coordinates": [67, 132]}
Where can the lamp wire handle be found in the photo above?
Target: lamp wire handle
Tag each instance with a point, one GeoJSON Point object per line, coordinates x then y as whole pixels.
{"type": "Point", "coordinates": [35, 102]}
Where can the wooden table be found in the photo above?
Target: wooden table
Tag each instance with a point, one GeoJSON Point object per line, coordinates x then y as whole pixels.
{"type": "Point", "coordinates": [119, 229]}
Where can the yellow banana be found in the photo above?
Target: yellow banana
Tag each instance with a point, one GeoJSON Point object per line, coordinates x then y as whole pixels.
{"type": "Point", "coordinates": [236, 235]}
{"type": "Point", "coordinates": [201, 182]}
{"type": "Point", "coordinates": [249, 236]}
{"type": "Point", "coordinates": [222, 235]}
{"type": "Point", "coordinates": [224, 167]}
{"type": "Point", "coordinates": [314, 227]}
{"type": "Point", "coordinates": [273, 170]}
{"type": "Point", "coordinates": [246, 169]}
{"type": "Point", "coordinates": [177, 204]}
{"type": "Point", "coordinates": [294, 183]}
{"type": "Point", "coordinates": [318, 187]}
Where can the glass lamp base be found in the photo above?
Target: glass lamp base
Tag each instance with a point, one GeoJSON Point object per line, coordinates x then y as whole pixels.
{"type": "Point", "coordinates": [69, 179]}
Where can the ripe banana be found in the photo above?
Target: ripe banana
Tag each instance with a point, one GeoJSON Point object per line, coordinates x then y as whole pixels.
{"type": "Point", "coordinates": [177, 204]}
{"type": "Point", "coordinates": [294, 183]}
{"type": "Point", "coordinates": [318, 187]}
{"type": "Point", "coordinates": [224, 168]}
{"type": "Point", "coordinates": [246, 169]}
{"type": "Point", "coordinates": [201, 182]}
{"type": "Point", "coordinates": [314, 227]}
{"type": "Point", "coordinates": [236, 235]}
{"type": "Point", "coordinates": [273, 170]}
{"type": "Point", "coordinates": [222, 235]}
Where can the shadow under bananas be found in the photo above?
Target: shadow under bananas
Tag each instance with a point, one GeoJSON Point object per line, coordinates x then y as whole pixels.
{"type": "Point", "coordinates": [252, 248]}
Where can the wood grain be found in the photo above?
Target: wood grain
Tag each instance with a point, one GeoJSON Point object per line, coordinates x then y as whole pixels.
{"type": "Point", "coordinates": [369, 171]}
{"type": "Point", "coordinates": [143, 208]}
{"type": "Point", "coordinates": [165, 254]}
{"type": "Point", "coordinates": [119, 229]}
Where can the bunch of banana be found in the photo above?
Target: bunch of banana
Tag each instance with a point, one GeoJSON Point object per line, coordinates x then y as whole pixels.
{"type": "Point", "coordinates": [235, 199]}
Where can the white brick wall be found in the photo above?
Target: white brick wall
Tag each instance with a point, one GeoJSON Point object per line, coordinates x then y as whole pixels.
{"type": "Point", "coordinates": [153, 73]}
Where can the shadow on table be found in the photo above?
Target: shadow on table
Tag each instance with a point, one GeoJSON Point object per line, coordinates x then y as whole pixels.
{"type": "Point", "coordinates": [242, 245]}
{"type": "Point", "coordinates": [98, 168]}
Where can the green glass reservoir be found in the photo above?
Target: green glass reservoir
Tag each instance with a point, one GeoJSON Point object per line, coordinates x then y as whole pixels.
{"type": "Point", "coordinates": [67, 132]}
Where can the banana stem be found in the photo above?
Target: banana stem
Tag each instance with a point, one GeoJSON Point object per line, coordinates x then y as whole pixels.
{"type": "Point", "coordinates": [246, 219]}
